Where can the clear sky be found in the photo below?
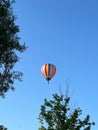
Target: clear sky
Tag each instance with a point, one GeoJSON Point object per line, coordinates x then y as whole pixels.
{"type": "Point", "coordinates": [62, 32]}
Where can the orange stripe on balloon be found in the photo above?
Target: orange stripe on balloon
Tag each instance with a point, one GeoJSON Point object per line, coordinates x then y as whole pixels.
{"type": "Point", "coordinates": [46, 70]}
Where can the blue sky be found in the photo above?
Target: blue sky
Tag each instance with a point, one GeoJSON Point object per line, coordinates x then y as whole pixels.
{"type": "Point", "coordinates": [62, 32]}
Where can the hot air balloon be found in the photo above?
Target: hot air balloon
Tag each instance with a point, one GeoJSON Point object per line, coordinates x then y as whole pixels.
{"type": "Point", "coordinates": [48, 71]}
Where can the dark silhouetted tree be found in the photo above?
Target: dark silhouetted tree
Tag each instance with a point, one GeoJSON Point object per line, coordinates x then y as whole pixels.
{"type": "Point", "coordinates": [2, 127]}
{"type": "Point", "coordinates": [9, 46]}
{"type": "Point", "coordinates": [57, 115]}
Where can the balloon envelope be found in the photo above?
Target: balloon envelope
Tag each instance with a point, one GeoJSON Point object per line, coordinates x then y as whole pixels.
{"type": "Point", "coordinates": [48, 71]}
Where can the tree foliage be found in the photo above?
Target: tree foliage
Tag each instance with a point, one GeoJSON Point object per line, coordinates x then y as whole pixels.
{"type": "Point", "coordinates": [56, 115]}
{"type": "Point", "coordinates": [2, 127]}
{"type": "Point", "coordinates": [9, 46]}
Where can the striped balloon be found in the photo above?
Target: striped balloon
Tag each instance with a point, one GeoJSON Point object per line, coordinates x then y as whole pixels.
{"type": "Point", "coordinates": [48, 71]}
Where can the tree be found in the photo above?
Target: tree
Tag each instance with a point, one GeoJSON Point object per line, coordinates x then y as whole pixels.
{"type": "Point", "coordinates": [56, 115]}
{"type": "Point", "coordinates": [9, 46]}
{"type": "Point", "coordinates": [2, 127]}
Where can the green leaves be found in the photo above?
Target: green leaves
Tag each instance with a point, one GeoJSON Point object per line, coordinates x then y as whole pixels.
{"type": "Point", "coordinates": [9, 46]}
{"type": "Point", "coordinates": [56, 115]}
